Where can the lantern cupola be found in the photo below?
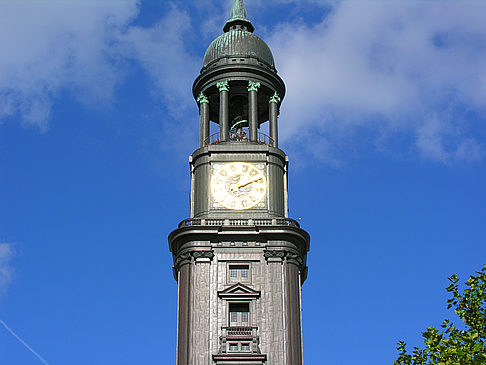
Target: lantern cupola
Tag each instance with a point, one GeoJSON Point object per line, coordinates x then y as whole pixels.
{"type": "Point", "coordinates": [238, 88]}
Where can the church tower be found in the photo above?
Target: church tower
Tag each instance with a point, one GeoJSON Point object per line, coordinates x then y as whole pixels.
{"type": "Point", "coordinates": [239, 260]}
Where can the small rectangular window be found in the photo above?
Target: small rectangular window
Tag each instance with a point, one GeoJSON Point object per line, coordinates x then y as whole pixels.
{"type": "Point", "coordinates": [239, 273]}
{"type": "Point", "coordinates": [234, 316]}
{"type": "Point", "coordinates": [245, 347]}
{"type": "Point", "coordinates": [233, 347]}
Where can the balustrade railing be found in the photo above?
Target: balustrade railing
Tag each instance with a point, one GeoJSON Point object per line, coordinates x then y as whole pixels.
{"type": "Point", "coordinates": [239, 222]}
{"type": "Point", "coordinates": [239, 138]}
{"type": "Point", "coordinates": [239, 339]}
{"type": "Point", "coordinates": [231, 332]}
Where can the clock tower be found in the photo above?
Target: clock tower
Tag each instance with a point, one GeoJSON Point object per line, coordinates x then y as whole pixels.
{"type": "Point", "coordinates": [239, 260]}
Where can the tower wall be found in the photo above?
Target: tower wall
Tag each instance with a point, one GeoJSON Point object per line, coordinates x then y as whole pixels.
{"type": "Point", "coordinates": [273, 163]}
{"type": "Point", "coordinates": [238, 259]}
{"type": "Point", "coordinates": [275, 257]}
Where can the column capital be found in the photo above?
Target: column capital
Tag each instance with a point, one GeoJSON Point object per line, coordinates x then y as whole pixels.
{"type": "Point", "coordinates": [275, 98]}
{"type": "Point", "coordinates": [202, 98]}
{"type": "Point", "coordinates": [282, 255]}
{"type": "Point", "coordinates": [190, 256]}
{"type": "Point", "coordinates": [180, 260]}
{"type": "Point", "coordinates": [274, 255]}
{"type": "Point", "coordinates": [223, 85]}
{"type": "Point", "coordinates": [253, 86]}
{"type": "Point", "coordinates": [295, 259]}
{"type": "Point", "coordinates": [203, 255]}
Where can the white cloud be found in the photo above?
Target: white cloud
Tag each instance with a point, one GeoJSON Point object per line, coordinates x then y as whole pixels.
{"type": "Point", "coordinates": [162, 52]}
{"type": "Point", "coordinates": [390, 67]}
{"type": "Point", "coordinates": [84, 48]}
{"type": "Point", "coordinates": [370, 68]}
{"type": "Point", "coordinates": [6, 271]}
{"type": "Point", "coordinates": [53, 46]}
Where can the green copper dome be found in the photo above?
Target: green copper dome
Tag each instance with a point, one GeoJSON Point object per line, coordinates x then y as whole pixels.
{"type": "Point", "coordinates": [238, 42]}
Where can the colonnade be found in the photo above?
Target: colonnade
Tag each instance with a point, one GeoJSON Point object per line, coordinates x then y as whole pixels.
{"type": "Point", "coordinates": [224, 127]}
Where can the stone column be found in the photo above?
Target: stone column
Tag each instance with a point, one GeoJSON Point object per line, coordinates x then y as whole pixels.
{"type": "Point", "coordinates": [273, 117]}
{"type": "Point", "coordinates": [273, 340]}
{"type": "Point", "coordinates": [253, 112]}
{"type": "Point", "coordinates": [223, 87]}
{"type": "Point", "coordinates": [183, 267]}
{"type": "Point", "coordinates": [203, 102]}
{"type": "Point", "coordinates": [294, 330]}
{"type": "Point", "coordinates": [201, 308]}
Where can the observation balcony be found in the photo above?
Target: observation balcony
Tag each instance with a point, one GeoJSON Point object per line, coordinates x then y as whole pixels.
{"type": "Point", "coordinates": [239, 222]}
{"type": "Point", "coordinates": [239, 138]}
{"type": "Point", "coordinates": [239, 339]}
{"type": "Point", "coordinates": [239, 332]}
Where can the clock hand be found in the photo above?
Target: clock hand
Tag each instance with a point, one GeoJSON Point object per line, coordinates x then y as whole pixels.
{"type": "Point", "coordinates": [248, 183]}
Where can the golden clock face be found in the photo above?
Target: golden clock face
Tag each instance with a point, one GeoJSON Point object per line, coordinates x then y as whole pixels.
{"type": "Point", "coordinates": [238, 185]}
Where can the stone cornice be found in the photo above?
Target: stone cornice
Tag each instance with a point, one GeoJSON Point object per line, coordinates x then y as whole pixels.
{"type": "Point", "coordinates": [294, 235]}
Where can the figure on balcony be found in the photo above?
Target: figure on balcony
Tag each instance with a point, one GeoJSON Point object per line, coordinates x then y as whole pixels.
{"type": "Point", "coordinates": [241, 134]}
{"type": "Point", "coordinates": [237, 131]}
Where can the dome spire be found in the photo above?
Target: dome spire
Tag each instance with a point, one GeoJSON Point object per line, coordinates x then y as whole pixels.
{"type": "Point", "coordinates": [238, 11]}
{"type": "Point", "coordinates": [238, 17]}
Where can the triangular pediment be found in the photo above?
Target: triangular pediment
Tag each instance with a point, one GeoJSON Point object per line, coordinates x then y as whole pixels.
{"type": "Point", "coordinates": [239, 291]}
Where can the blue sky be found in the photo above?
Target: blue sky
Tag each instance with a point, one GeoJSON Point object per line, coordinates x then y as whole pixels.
{"type": "Point", "coordinates": [384, 123]}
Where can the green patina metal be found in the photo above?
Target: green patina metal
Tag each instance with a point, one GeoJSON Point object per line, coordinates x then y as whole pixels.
{"type": "Point", "coordinates": [253, 86]}
{"type": "Point", "coordinates": [202, 99]}
{"type": "Point", "coordinates": [275, 98]}
{"type": "Point", "coordinates": [238, 43]}
{"type": "Point", "coordinates": [238, 11]}
{"type": "Point", "coordinates": [223, 85]}
{"type": "Point", "coordinates": [238, 17]}
{"type": "Point", "coordinates": [241, 122]}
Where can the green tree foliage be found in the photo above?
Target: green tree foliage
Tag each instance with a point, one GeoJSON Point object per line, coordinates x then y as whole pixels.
{"type": "Point", "coordinates": [450, 345]}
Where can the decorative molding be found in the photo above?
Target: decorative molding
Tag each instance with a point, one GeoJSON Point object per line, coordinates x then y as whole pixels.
{"type": "Point", "coordinates": [253, 86]}
{"type": "Point", "coordinates": [182, 259]}
{"type": "Point", "coordinates": [201, 99]}
{"type": "Point", "coordinates": [239, 291]}
{"type": "Point", "coordinates": [275, 99]}
{"type": "Point", "coordinates": [223, 85]}
{"type": "Point", "coordinates": [187, 256]}
{"type": "Point", "coordinates": [285, 255]}
{"type": "Point", "coordinates": [203, 255]}
{"type": "Point", "coordinates": [295, 259]}
{"type": "Point", "coordinates": [274, 254]}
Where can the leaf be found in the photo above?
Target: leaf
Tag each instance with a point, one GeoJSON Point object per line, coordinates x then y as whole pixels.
{"type": "Point", "coordinates": [451, 346]}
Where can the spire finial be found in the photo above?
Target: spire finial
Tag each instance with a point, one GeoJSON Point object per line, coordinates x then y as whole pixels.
{"type": "Point", "coordinates": [238, 11]}
{"type": "Point", "coordinates": [238, 16]}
